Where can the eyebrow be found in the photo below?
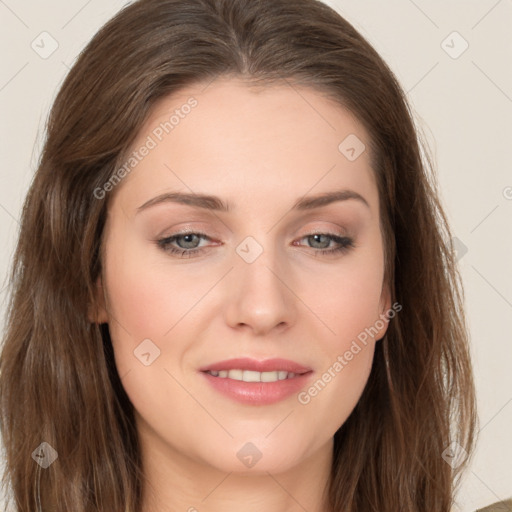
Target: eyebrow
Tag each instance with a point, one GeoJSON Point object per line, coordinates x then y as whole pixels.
{"type": "Point", "coordinates": [215, 203]}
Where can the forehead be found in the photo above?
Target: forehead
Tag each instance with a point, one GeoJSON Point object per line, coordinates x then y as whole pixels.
{"type": "Point", "coordinates": [230, 138]}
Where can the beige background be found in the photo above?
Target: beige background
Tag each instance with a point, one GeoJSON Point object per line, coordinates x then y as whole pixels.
{"type": "Point", "coordinates": [463, 103]}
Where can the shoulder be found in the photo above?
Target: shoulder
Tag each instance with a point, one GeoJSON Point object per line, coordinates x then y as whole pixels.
{"type": "Point", "coordinates": [500, 506]}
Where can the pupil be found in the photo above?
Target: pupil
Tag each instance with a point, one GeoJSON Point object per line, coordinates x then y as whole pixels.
{"type": "Point", "coordinates": [187, 239]}
{"type": "Point", "coordinates": [316, 238]}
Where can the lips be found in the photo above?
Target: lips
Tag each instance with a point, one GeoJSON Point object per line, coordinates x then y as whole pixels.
{"type": "Point", "coordinates": [269, 365]}
{"type": "Point", "coordinates": [249, 387]}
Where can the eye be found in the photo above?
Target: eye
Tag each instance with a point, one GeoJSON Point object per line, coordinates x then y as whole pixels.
{"type": "Point", "coordinates": [188, 243]}
{"type": "Point", "coordinates": [343, 243]}
{"type": "Point", "coordinates": [187, 248]}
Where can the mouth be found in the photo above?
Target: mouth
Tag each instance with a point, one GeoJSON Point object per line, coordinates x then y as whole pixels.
{"type": "Point", "coordinates": [254, 382]}
{"type": "Point", "coordinates": [247, 364]}
{"type": "Point", "coordinates": [254, 376]}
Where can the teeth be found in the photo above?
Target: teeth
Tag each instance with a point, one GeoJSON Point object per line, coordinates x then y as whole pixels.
{"type": "Point", "coordinates": [252, 376]}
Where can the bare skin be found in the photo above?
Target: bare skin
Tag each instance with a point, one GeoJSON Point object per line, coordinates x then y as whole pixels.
{"type": "Point", "coordinates": [260, 151]}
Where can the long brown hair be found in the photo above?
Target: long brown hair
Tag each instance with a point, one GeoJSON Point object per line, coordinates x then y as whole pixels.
{"type": "Point", "coordinates": [58, 381]}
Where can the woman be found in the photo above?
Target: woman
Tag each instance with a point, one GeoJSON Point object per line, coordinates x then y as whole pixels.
{"type": "Point", "coordinates": [253, 367]}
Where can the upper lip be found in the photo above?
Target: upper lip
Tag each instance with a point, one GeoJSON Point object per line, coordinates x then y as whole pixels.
{"type": "Point", "coordinates": [268, 365]}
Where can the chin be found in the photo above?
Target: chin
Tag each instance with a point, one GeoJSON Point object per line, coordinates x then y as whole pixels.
{"type": "Point", "coordinates": [254, 457]}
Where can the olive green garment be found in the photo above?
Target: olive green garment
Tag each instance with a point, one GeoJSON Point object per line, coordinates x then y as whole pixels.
{"type": "Point", "coordinates": [500, 506]}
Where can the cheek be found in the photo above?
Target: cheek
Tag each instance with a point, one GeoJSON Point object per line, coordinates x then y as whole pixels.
{"type": "Point", "coordinates": [335, 392]}
{"type": "Point", "coordinates": [145, 297]}
{"type": "Point", "coordinates": [350, 312]}
{"type": "Point", "coordinates": [144, 302]}
{"type": "Point", "coordinates": [351, 308]}
{"type": "Point", "coordinates": [347, 300]}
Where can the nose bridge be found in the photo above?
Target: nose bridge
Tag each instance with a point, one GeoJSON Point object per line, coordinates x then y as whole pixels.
{"type": "Point", "coordinates": [260, 297]}
{"type": "Point", "coordinates": [259, 264]}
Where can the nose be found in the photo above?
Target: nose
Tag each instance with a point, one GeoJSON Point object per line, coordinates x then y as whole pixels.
{"type": "Point", "coordinates": [261, 295]}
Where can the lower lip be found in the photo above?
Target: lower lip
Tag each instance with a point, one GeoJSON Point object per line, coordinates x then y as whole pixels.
{"type": "Point", "coordinates": [258, 393]}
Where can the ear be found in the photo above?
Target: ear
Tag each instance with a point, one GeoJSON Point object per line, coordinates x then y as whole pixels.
{"type": "Point", "coordinates": [97, 312]}
{"type": "Point", "coordinates": [385, 299]}
{"type": "Point", "coordinates": [384, 308]}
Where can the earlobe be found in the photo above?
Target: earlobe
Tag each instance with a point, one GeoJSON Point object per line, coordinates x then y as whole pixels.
{"type": "Point", "coordinates": [97, 313]}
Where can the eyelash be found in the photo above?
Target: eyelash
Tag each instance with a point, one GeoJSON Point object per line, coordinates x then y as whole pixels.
{"type": "Point", "coordinates": [345, 244]}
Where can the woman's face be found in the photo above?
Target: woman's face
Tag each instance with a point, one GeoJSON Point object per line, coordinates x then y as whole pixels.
{"type": "Point", "coordinates": [253, 281]}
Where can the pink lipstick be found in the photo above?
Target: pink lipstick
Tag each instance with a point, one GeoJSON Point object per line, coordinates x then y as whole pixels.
{"type": "Point", "coordinates": [250, 381]}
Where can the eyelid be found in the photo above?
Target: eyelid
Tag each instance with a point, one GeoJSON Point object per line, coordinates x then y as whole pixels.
{"type": "Point", "coordinates": [338, 231]}
{"type": "Point", "coordinates": [188, 229]}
